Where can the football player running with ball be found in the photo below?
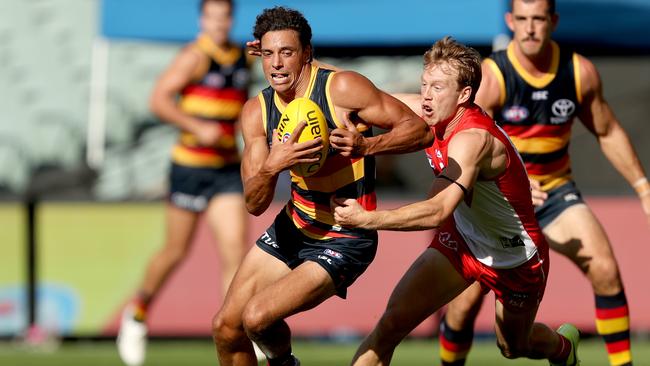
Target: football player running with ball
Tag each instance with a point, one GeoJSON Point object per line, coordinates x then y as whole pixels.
{"type": "Point", "coordinates": [304, 258]}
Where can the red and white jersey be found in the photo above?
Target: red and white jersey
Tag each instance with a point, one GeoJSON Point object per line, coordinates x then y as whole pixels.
{"type": "Point", "coordinates": [497, 220]}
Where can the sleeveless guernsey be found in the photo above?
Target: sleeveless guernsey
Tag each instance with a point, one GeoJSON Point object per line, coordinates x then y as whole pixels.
{"type": "Point", "coordinates": [538, 112]}
{"type": "Point", "coordinates": [309, 207]}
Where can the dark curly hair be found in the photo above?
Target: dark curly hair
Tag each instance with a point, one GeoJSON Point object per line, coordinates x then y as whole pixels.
{"type": "Point", "coordinates": [281, 18]}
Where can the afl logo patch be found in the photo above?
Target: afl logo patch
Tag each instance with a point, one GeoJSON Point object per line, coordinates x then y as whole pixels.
{"type": "Point", "coordinates": [562, 110]}
{"type": "Point", "coordinates": [515, 113]}
{"type": "Point", "coordinates": [215, 80]}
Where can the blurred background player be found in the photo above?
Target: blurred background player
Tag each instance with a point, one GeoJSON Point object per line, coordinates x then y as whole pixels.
{"type": "Point", "coordinates": [486, 230]}
{"type": "Point", "coordinates": [202, 93]}
{"type": "Point", "coordinates": [304, 258]}
{"type": "Point", "coordinates": [535, 89]}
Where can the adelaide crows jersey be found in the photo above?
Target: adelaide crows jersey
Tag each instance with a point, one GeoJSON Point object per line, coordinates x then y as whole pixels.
{"type": "Point", "coordinates": [218, 97]}
{"type": "Point", "coordinates": [538, 112]}
{"type": "Point", "coordinates": [340, 176]}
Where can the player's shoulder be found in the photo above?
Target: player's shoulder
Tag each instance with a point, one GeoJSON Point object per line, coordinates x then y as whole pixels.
{"type": "Point", "coordinates": [252, 106]}
{"type": "Point", "coordinates": [347, 81]}
{"type": "Point", "coordinates": [588, 74]}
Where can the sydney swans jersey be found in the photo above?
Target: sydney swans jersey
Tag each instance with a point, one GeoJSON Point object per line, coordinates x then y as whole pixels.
{"type": "Point", "coordinates": [218, 97]}
{"type": "Point", "coordinates": [538, 112]}
{"type": "Point", "coordinates": [346, 177]}
{"type": "Point", "coordinates": [497, 220]}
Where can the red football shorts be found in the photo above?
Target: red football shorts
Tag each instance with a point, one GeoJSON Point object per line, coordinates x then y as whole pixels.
{"type": "Point", "coordinates": [518, 289]}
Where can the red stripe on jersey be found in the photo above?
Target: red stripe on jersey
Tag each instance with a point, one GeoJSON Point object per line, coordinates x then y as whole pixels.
{"type": "Point", "coordinates": [303, 201]}
{"type": "Point", "coordinates": [547, 168]}
{"type": "Point", "coordinates": [618, 346]}
{"type": "Point", "coordinates": [454, 347]}
{"type": "Point", "coordinates": [536, 130]}
{"type": "Point", "coordinates": [212, 93]}
{"type": "Point", "coordinates": [200, 150]}
{"type": "Point", "coordinates": [619, 312]}
{"type": "Point", "coordinates": [368, 201]}
{"type": "Point", "coordinates": [302, 224]}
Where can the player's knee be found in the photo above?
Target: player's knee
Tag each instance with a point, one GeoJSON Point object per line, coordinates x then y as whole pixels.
{"type": "Point", "coordinates": [223, 332]}
{"type": "Point", "coordinates": [604, 275]}
{"type": "Point", "coordinates": [254, 319]}
{"type": "Point", "coordinates": [174, 253]}
{"type": "Point", "coordinates": [391, 327]}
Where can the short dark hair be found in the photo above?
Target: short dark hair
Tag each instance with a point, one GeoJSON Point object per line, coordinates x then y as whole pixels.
{"type": "Point", "coordinates": [281, 18]}
{"type": "Point", "coordinates": [551, 5]}
{"type": "Point", "coordinates": [465, 59]}
{"type": "Point", "coordinates": [203, 2]}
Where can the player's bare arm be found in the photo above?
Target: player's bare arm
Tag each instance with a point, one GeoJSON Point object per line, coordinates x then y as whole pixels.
{"type": "Point", "coordinates": [471, 153]}
{"type": "Point", "coordinates": [412, 100]}
{"type": "Point", "coordinates": [185, 69]}
{"type": "Point", "coordinates": [260, 165]}
{"type": "Point", "coordinates": [615, 143]}
{"type": "Point", "coordinates": [358, 101]}
{"type": "Point", "coordinates": [489, 93]}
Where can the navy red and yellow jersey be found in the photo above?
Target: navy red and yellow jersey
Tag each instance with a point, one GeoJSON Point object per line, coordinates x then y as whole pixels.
{"type": "Point", "coordinates": [537, 112]}
{"type": "Point", "coordinates": [343, 177]}
{"type": "Point", "coordinates": [216, 97]}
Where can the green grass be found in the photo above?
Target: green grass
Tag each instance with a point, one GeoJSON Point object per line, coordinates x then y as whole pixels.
{"type": "Point", "coordinates": [311, 353]}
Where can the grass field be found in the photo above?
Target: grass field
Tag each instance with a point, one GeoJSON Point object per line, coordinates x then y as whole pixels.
{"type": "Point", "coordinates": [311, 353]}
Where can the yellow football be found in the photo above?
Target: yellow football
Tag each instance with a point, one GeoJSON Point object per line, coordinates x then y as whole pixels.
{"type": "Point", "coordinates": [304, 109]}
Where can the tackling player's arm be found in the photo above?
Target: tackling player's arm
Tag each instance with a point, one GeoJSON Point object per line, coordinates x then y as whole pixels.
{"type": "Point", "coordinates": [413, 101]}
{"type": "Point", "coordinates": [260, 165]}
{"type": "Point", "coordinates": [184, 70]}
{"type": "Point", "coordinates": [357, 100]}
{"type": "Point", "coordinates": [469, 152]}
{"type": "Point", "coordinates": [599, 118]}
{"type": "Point", "coordinates": [489, 95]}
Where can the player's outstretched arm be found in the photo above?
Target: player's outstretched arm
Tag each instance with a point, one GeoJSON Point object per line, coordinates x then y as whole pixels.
{"type": "Point", "coordinates": [358, 101]}
{"type": "Point", "coordinates": [466, 153]}
{"type": "Point", "coordinates": [615, 143]}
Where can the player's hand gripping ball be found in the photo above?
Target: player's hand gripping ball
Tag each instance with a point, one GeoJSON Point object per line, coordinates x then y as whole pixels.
{"type": "Point", "coordinates": [304, 109]}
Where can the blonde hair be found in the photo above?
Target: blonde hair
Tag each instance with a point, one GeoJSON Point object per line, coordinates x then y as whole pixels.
{"type": "Point", "coordinates": [466, 60]}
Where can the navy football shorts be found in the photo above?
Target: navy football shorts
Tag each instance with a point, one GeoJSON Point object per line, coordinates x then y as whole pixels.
{"type": "Point", "coordinates": [192, 188]}
{"type": "Point", "coordinates": [345, 259]}
{"type": "Point", "coordinates": [559, 199]}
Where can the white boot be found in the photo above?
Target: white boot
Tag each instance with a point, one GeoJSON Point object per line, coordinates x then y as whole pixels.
{"type": "Point", "coordinates": [132, 339]}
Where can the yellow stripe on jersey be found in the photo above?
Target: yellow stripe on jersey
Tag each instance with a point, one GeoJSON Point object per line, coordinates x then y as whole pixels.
{"type": "Point", "coordinates": [502, 83]}
{"type": "Point", "coordinates": [348, 174]}
{"type": "Point", "coordinates": [612, 326]}
{"type": "Point", "coordinates": [576, 76]}
{"type": "Point", "coordinates": [210, 108]}
{"type": "Point", "coordinates": [226, 58]}
{"type": "Point", "coordinates": [541, 81]}
{"type": "Point", "coordinates": [540, 145]}
{"type": "Point", "coordinates": [260, 97]}
{"type": "Point", "coordinates": [620, 358]}
{"type": "Point", "coordinates": [319, 215]}
{"type": "Point", "coordinates": [305, 231]}
{"type": "Point", "coordinates": [555, 179]}
{"type": "Point", "coordinates": [186, 157]}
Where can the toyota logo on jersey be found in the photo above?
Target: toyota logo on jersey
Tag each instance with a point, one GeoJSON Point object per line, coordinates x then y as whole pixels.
{"type": "Point", "coordinates": [562, 110]}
